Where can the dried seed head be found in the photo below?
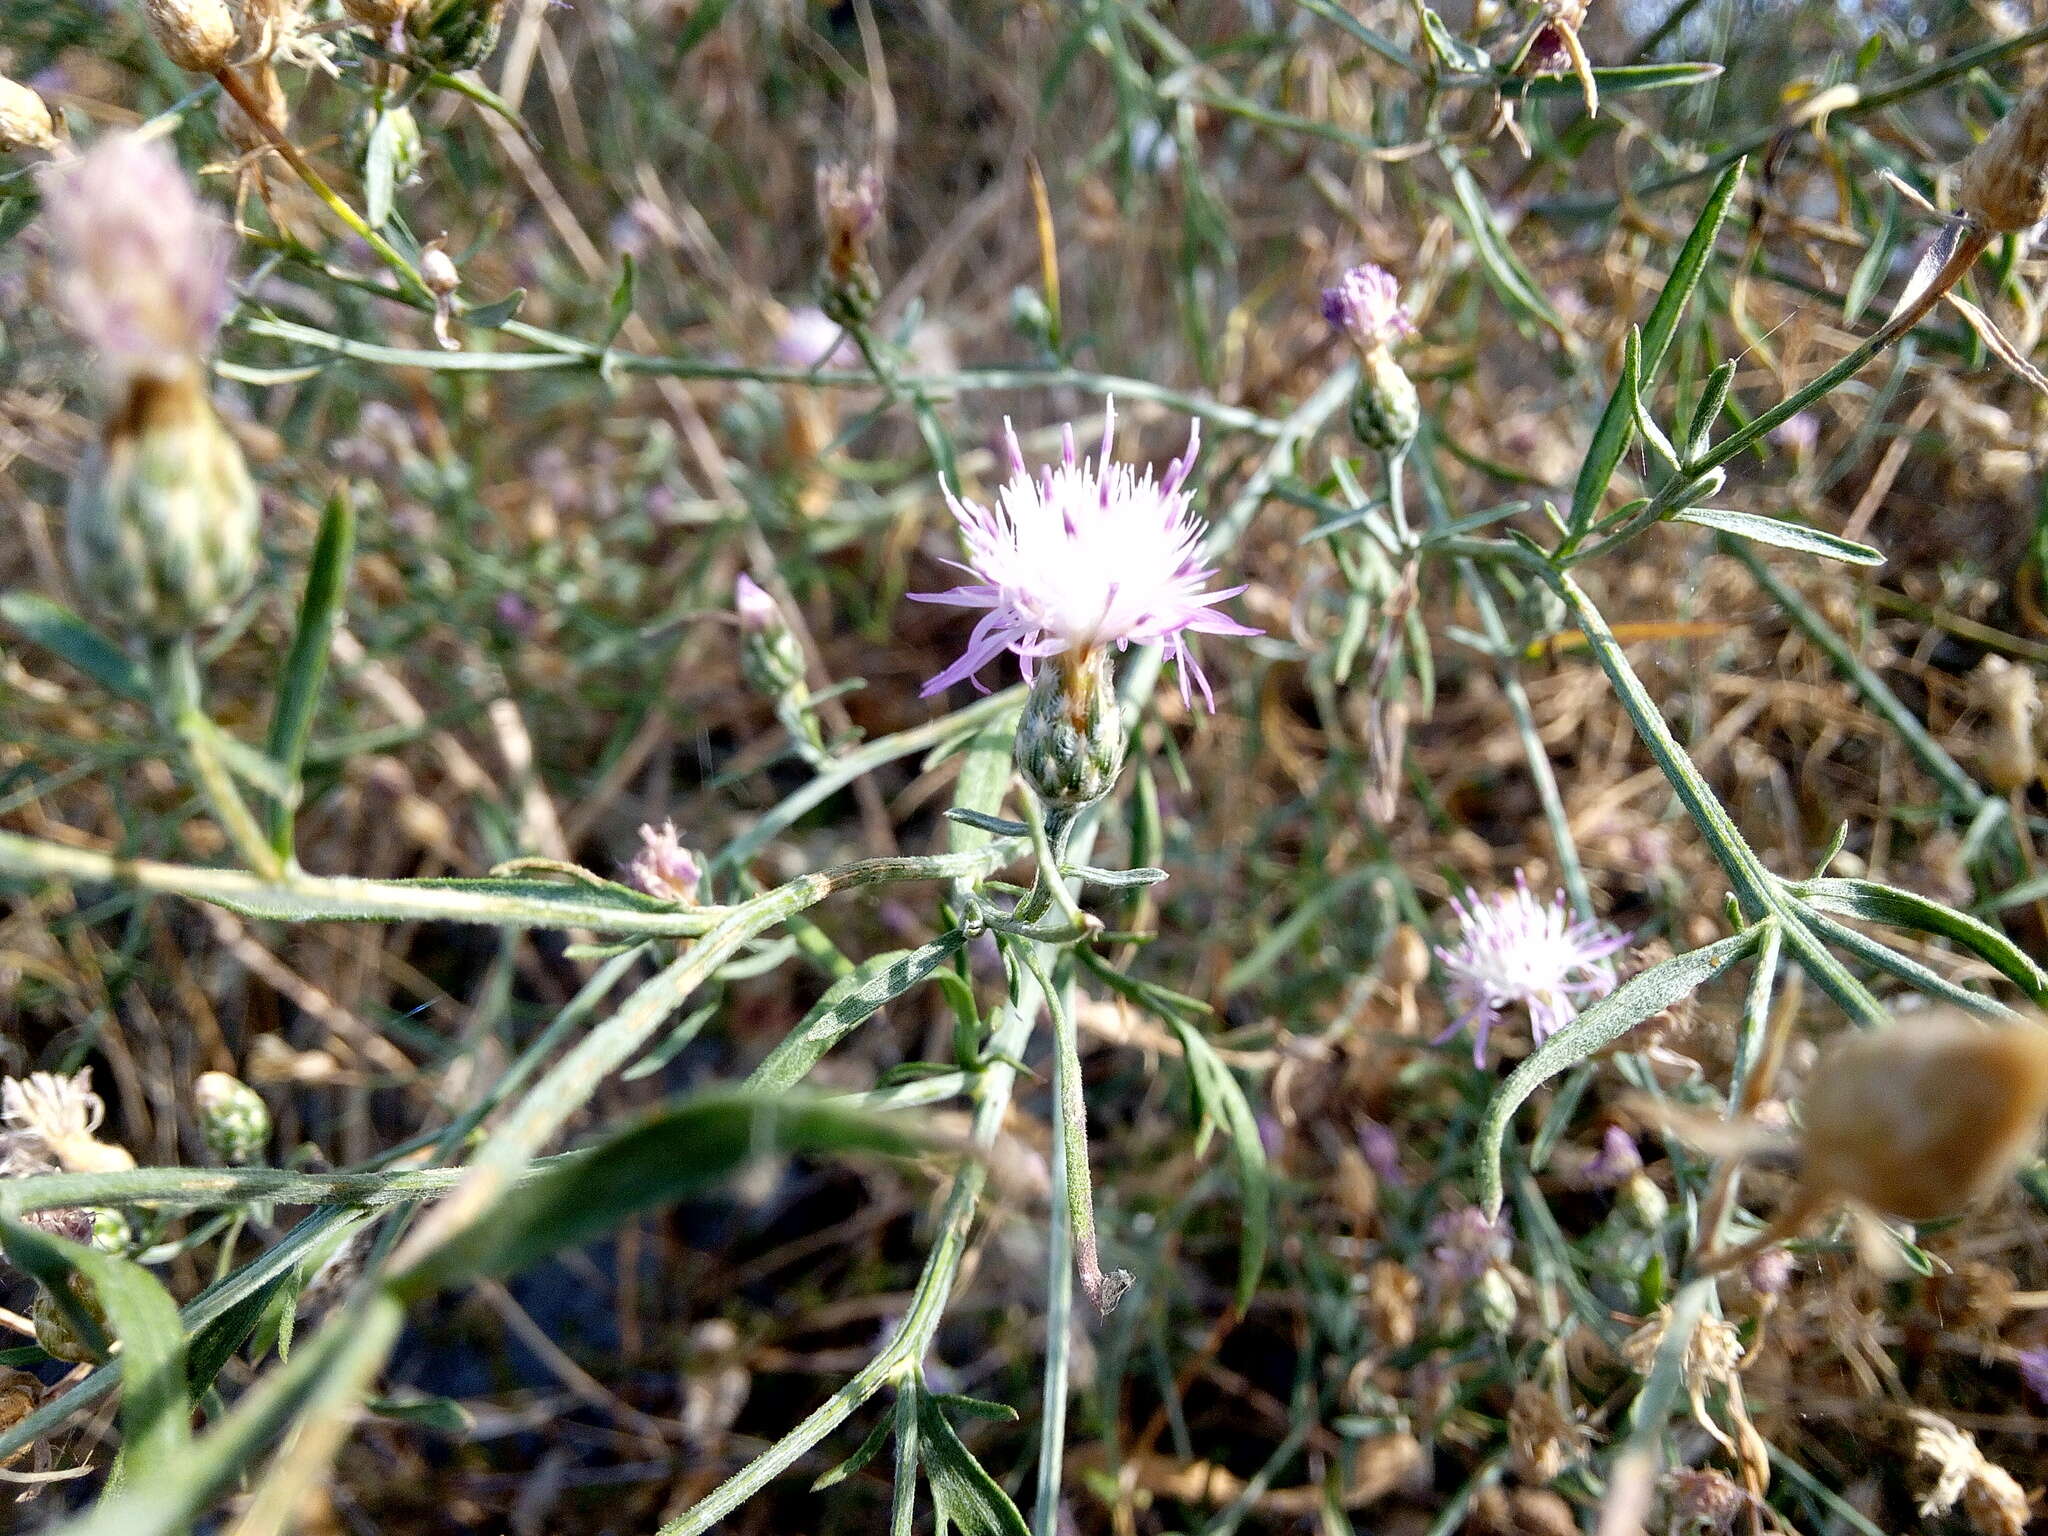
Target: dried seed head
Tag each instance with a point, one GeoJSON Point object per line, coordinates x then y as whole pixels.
{"type": "Point", "coordinates": [1704, 1500]}
{"type": "Point", "coordinates": [849, 206]}
{"type": "Point", "coordinates": [57, 1117]}
{"type": "Point", "coordinates": [2004, 185]}
{"type": "Point", "coordinates": [25, 120]}
{"type": "Point", "coordinates": [2011, 702]}
{"type": "Point", "coordinates": [1392, 1293]}
{"type": "Point", "coordinates": [1951, 1470]}
{"type": "Point", "coordinates": [20, 1395]}
{"type": "Point", "coordinates": [1543, 1438]}
{"type": "Point", "coordinates": [379, 15]}
{"type": "Point", "coordinates": [199, 35]}
{"type": "Point", "coordinates": [1925, 1117]}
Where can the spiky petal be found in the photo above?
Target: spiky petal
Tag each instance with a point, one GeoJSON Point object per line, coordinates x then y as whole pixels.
{"type": "Point", "coordinates": [1087, 555]}
{"type": "Point", "coordinates": [1365, 304]}
{"type": "Point", "coordinates": [1515, 949]}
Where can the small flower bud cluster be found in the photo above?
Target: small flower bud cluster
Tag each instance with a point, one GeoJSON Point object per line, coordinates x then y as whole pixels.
{"type": "Point", "coordinates": [849, 206]}
{"type": "Point", "coordinates": [1365, 305]}
{"type": "Point", "coordinates": [162, 519]}
{"type": "Point", "coordinates": [454, 35]}
{"type": "Point", "coordinates": [232, 1116]}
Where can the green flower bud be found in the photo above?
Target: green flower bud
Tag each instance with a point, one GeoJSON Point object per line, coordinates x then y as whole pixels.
{"type": "Point", "coordinates": [769, 653]}
{"type": "Point", "coordinates": [57, 1334]}
{"type": "Point", "coordinates": [1493, 1298]}
{"type": "Point", "coordinates": [1385, 411]}
{"type": "Point", "coordinates": [111, 1232]}
{"type": "Point", "coordinates": [163, 515]}
{"type": "Point", "coordinates": [1642, 1203]}
{"type": "Point", "coordinates": [454, 35]}
{"type": "Point", "coordinates": [849, 206]}
{"type": "Point", "coordinates": [232, 1116]}
{"type": "Point", "coordinates": [1070, 738]}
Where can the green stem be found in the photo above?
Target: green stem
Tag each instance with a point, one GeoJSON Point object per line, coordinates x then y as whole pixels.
{"type": "Point", "coordinates": [179, 673]}
{"type": "Point", "coordinates": [1059, 1308]}
{"type": "Point", "coordinates": [1104, 1291]}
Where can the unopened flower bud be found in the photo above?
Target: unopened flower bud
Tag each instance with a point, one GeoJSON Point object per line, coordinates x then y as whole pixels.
{"type": "Point", "coordinates": [1494, 1301]}
{"type": "Point", "coordinates": [769, 653]}
{"type": "Point", "coordinates": [59, 1336]}
{"type": "Point", "coordinates": [232, 1116]}
{"type": "Point", "coordinates": [1070, 738]}
{"type": "Point", "coordinates": [664, 867]}
{"type": "Point", "coordinates": [1642, 1202]}
{"type": "Point", "coordinates": [162, 518]}
{"type": "Point", "coordinates": [2004, 186]}
{"type": "Point", "coordinates": [849, 205]}
{"type": "Point", "coordinates": [437, 271]}
{"type": "Point", "coordinates": [108, 1230]}
{"type": "Point", "coordinates": [454, 35]}
{"type": "Point", "coordinates": [199, 35]}
{"type": "Point", "coordinates": [1385, 411]}
{"type": "Point", "coordinates": [25, 120]}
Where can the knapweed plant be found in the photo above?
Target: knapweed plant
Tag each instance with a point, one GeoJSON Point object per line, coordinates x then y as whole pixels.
{"type": "Point", "coordinates": [544, 992]}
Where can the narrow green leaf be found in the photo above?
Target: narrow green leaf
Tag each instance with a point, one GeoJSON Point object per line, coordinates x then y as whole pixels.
{"type": "Point", "coordinates": [1771, 530]}
{"type": "Point", "coordinates": [1876, 953]}
{"type": "Point", "coordinates": [1223, 1102]}
{"type": "Point", "coordinates": [1635, 1000]}
{"type": "Point", "coordinates": [1871, 271]}
{"type": "Point", "coordinates": [870, 1448]}
{"type": "Point", "coordinates": [442, 1414]}
{"type": "Point", "coordinates": [305, 665]}
{"type": "Point", "coordinates": [978, 793]}
{"type": "Point", "coordinates": [671, 1156]}
{"type": "Point", "coordinates": [1685, 271]}
{"type": "Point", "coordinates": [489, 317]}
{"type": "Point", "coordinates": [1877, 903]}
{"type": "Point", "coordinates": [380, 168]}
{"type": "Point", "coordinates": [976, 1407]}
{"type": "Point", "coordinates": [155, 1413]}
{"type": "Point", "coordinates": [962, 1490]}
{"type": "Point", "coordinates": [621, 308]}
{"type": "Point", "coordinates": [848, 1003]}
{"type": "Point", "coordinates": [703, 17]}
{"type": "Point", "coordinates": [1618, 80]}
{"type": "Point", "coordinates": [64, 634]}
{"type": "Point", "coordinates": [1610, 439]}
{"type": "Point", "coordinates": [1503, 268]}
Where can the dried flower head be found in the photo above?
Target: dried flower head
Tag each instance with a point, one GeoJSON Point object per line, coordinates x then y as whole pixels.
{"type": "Point", "coordinates": [2004, 186]}
{"type": "Point", "coordinates": [1365, 304]}
{"type": "Point", "coordinates": [1703, 1500]}
{"type": "Point", "coordinates": [1515, 949]}
{"type": "Point", "coordinates": [142, 262]}
{"type": "Point", "coordinates": [1086, 556]}
{"type": "Point", "coordinates": [1544, 1437]}
{"type": "Point", "coordinates": [849, 207]}
{"type": "Point", "coordinates": [1952, 1470]}
{"type": "Point", "coordinates": [55, 1118]}
{"type": "Point", "coordinates": [664, 867]}
{"type": "Point", "coordinates": [25, 120]}
{"type": "Point", "coordinates": [1925, 1117]}
{"type": "Point", "coordinates": [199, 35]}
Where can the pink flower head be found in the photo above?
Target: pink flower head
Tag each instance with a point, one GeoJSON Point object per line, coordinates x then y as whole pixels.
{"type": "Point", "coordinates": [1086, 555]}
{"type": "Point", "coordinates": [664, 867]}
{"type": "Point", "coordinates": [1513, 948]}
{"type": "Point", "coordinates": [756, 609]}
{"type": "Point", "coordinates": [142, 262]}
{"type": "Point", "coordinates": [1366, 305]}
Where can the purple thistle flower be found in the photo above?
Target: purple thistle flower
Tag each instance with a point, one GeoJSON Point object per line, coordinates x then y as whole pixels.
{"type": "Point", "coordinates": [1086, 555]}
{"type": "Point", "coordinates": [1616, 1160]}
{"type": "Point", "coordinates": [1465, 1245]}
{"type": "Point", "coordinates": [664, 867]}
{"type": "Point", "coordinates": [142, 262]}
{"type": "Point", "coordinates": [1365, 304]}
{"type": "Point", "coordinates": [2034, 1372]}
{"type": "Point", "coordinates": [1513, 948]}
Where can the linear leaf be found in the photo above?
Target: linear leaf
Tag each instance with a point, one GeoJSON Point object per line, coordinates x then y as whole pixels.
{"type": "Point", "coordinates": [1685, 272]}
{"type": "Point", "coordinates": [1618, 80]}
{"type": "Point", "coordinates": [1771, 530]}
{"type": "Point", "coordinates": [64, 634]}
{"type": "Point", "coordinates": [671, 1156]}
{"type": "Point", "coordinates": [1878, 903]}
{"type": "Point", "coordinates": [305, 667]}
{"type": "Point", "coordinates": [155, 1415]}
{"type": "Point", "coordinates": [1503, 267]}
{"type": "Point", "coordinates": [847, 1004]}
{"type": "Point", "coordinates": [962, 1490]}
{"type": "Point", "coordinates": [1635, 1000]}
{"type": "Point", "coordinates": [1610, 439]}
{"type": "Point", "coordinates": [1224, 1102]}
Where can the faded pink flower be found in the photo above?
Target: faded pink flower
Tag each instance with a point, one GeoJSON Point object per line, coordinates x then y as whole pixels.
{"type": "Point", "coordinates": [142, 262]}
{"type": "Point", "coordinates": [1084, 556]}
{"type": "Point", "coordinates": [1515, 949]}
{"type": "Point", "coordinates": [1365, 304]}
{"type": "Point", "coordinates": [809, 338]}
{"type": "Point", "coordinates": [756, 609]}
{"type": "Point", "coordinates": [664, 867]}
